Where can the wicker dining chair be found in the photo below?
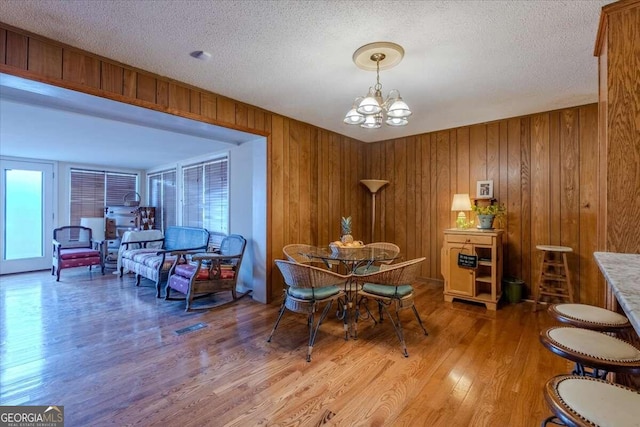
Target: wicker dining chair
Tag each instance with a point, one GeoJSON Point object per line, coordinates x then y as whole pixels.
{"type": "Point", "coordinates": [391, 285]}
{"type": "Point", "coordinates": [295, 251]}
{"type": "Point", "coordinates": [308, 287]}
{"type": "Point", "coordinates": [387, 246]}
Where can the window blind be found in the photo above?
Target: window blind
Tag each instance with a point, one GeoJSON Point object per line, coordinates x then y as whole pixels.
{"type": "Point", "coordinates": [162, 195]}
{"type": "Point", "coordinates": [90, 191]}
{"type": "Point", "coordinates": [206, 195]}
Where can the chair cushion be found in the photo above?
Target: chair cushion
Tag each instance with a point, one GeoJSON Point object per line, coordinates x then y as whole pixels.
{"type": "Point", "coordinates": [78, 253]}
{"type": "Point", "coordinates": [148, 258]}
{"type": "Point", "coordinates": [308, 293]}
{"type": "Point", "coordinates": [187, 270]}
{"type": "Point", "coordinates": [179, 283]}
{"type": "Point", "coordinates": [387, 291]}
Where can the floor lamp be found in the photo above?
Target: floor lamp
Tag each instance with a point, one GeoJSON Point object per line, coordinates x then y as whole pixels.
{"type": "Point", "coordinates": [373, 185]}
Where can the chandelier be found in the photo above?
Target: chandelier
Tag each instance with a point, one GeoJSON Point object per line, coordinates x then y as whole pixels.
{"type": "Point", "coordinates": [371, 110]}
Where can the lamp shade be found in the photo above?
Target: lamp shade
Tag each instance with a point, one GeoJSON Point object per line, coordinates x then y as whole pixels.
{"type": "Point", "coordinates": [374, 184]}
{"type": "Point", "coordinates": [461, 202]}
{"type": "Point", "coordinates": [96, 225]}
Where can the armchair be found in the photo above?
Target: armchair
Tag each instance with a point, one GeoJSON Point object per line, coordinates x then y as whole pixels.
{"type": "Point", "coordinates": [74, 247]}
{"type": "Point", "coordinates": [206, 273]}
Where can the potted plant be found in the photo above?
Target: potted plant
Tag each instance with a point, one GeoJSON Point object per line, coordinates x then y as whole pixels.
{"type": "Point", "coordinates": [488, 213]}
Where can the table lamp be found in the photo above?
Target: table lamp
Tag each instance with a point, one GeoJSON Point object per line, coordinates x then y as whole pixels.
{"type": "Point", "coordinates": [373, 185]}
{"type": "Point", "coordinates": [461, 203]}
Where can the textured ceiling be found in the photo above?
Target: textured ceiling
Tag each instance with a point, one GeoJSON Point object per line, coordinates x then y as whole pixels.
{"type": "Point", "coordinates": [465, 61]}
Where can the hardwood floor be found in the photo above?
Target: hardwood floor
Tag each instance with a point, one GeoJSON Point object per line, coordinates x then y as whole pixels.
{"type": "Point", "coordinates": [109, 352]}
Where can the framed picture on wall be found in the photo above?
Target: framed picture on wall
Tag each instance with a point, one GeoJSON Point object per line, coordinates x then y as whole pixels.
{"type": "Point", "coordinates": [484, 190]}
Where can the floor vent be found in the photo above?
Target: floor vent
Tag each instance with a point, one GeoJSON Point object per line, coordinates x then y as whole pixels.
{"type": "Point", "coordinates": [191, 328]}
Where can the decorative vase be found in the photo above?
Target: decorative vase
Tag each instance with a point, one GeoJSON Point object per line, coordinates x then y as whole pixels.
{"type": "Point", "coordinates": [485, 222]}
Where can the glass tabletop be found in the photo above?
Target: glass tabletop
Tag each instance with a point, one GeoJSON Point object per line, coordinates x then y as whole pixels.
{"type": "Point", "coordinates": [353, 256]}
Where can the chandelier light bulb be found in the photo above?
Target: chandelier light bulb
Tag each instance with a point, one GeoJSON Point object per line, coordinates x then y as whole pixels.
{"type": "Point", "coordinates": [370, 111]}
{"type": "Point", "coordinates": [353, 117]}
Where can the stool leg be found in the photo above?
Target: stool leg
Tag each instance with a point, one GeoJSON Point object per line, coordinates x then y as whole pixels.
{"type": "Point", "coordinates": [538, 287]}
{"type": "Point", "coordinates": [568, 277]}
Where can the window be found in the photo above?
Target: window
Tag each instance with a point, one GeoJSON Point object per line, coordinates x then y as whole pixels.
{"type": "Point", "coordinates": [162, 195]}
{"type": "Point", "coordinates": [91, 191]}
{"type": "Point", "coordinates": [205, 195]}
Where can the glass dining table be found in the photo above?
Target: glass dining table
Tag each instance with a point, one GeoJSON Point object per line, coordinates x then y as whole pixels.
{"type": "Point", "coordinates": [354, 260]}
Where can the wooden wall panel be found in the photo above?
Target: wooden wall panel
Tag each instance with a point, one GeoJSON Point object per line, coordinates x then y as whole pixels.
{"type": "Point", "coordinates": [226, 110]}
{"type": "Point", "coordinates": [194, 101]}
{"type": "Point", "coordinates": [79, 68]}
{"type": "Point", "coordinates": [162, 93]}
{"type": "Point", "coordinates": [554, 176]}
{"type": "Point", "coordinates": [3, 46]}
{"type": "Point", "coordinates": [17, 50]}
{"type": "Point", "coordinates": [526, 201]}
{"type": "Point", "coordinates": [540, 184]}
{"type": "Point", "coordinates": [513, 255]}
{"type": "Point", "coordinates": [179, 97]}
{"type": "Point", "coordinates": [45, 59]}
{"type": "Point", "coordinates": [588, 205]}
{"type": "Point", "coordinates": [146, 87]}
{"type": "Point", "coordinates": [535, 161]}
{"type": "Point", "coordinates": [208, 106]}
{"type": "Point", "coordinates": [112, 78]}
{"type": "Point", "coordinates": [570, 190]}
{"type": "Point", "coordinates": [130, 83]}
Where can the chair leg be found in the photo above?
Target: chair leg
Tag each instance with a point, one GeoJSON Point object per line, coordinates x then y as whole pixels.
{"type": "Point", "coordinates": [53, 270]}
{"type": "Point", "coordinates": [138, 279]}
{"type": "Point", "coordinates": [537, 288]}
{"type": "Point", "coordinates": [280, 314]}
{"type": "Point", "coordinates": [58, 275]}
{"type": "Point", "coordinates": [397, 325]}
{"type": "Point", "coordinates": [121, 271]}
{"type": "Point", "coordinates": [415, 311]}
{"type": "Point", "coordinates": [313, 332]}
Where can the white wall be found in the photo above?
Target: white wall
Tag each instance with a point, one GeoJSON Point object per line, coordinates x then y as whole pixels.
{"type": "Point", "coordinates": [248, 213]}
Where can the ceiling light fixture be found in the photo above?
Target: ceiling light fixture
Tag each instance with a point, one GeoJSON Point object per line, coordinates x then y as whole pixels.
{"type": "Point", "coordinates": [371, 110]}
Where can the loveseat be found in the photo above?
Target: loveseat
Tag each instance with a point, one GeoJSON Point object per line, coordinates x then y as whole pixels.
{"type": "Point", "coordinates": [153, 263]}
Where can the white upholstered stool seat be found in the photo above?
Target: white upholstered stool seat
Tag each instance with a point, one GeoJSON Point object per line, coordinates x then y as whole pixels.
{"type": "Point", "coordinates": [589, 317]}
{"type": "Point", "coordinates": [603, 353]}
{"type": "Point", "coordinates": [584, 401]}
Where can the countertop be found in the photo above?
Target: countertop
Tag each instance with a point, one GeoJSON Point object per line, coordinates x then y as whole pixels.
{"type": "Point", "coordinates": [622, 272]}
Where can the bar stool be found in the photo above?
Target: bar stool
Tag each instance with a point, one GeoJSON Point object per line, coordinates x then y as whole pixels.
{"type": "Point", "coordinates": [555, 278]}
{"type": "Point", "coordinates": [584, 401]}
{"type": "Point", "coordinates": [589, 317]}
{"type": "Point", "coordinates": [600, 352]}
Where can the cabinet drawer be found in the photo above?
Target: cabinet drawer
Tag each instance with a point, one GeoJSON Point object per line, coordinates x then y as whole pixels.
{"type": "Point", "coordinates": [122, 210]}
{"type": "Point", "coordinates": [476, 240]}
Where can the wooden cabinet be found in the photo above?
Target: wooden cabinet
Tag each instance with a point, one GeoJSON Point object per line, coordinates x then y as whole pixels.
{"type": "Point", "coordinates": [617, 47]}
{"type": "Point", "coordinates": [482, 283]}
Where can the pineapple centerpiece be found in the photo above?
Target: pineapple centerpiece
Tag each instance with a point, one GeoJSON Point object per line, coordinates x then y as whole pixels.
{"type": "Point", "coordinates": [346, 241]}
{"type": "Point", "coordinates": [346, 238]}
